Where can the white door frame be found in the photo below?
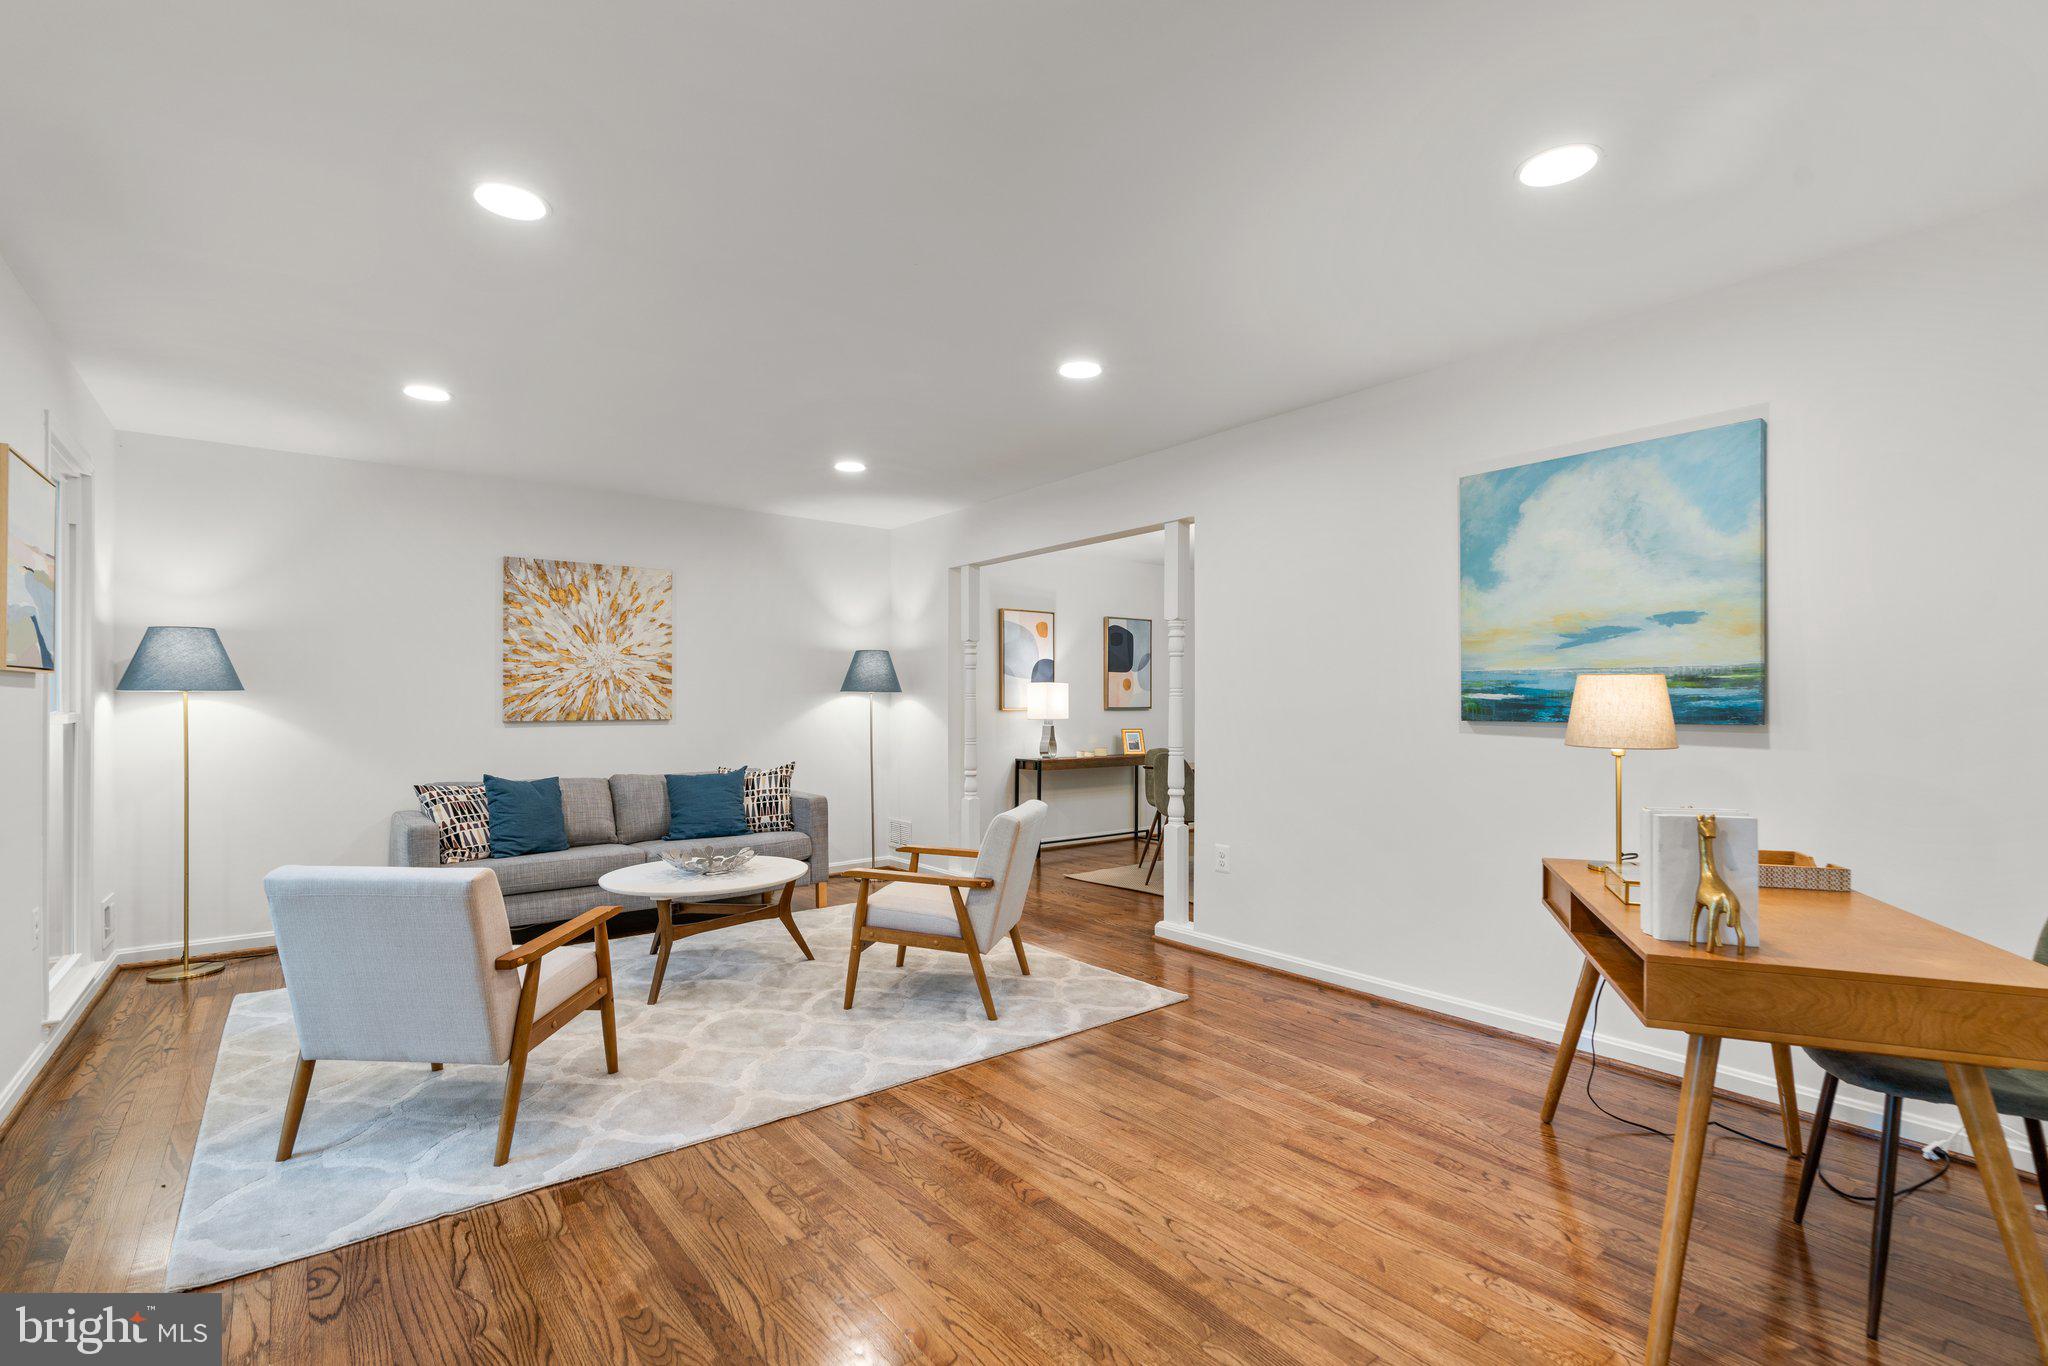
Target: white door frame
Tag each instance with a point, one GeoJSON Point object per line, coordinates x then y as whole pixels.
{"type": "Point", "coordinates": [68, 881]}
{"type": "Point", "coordinates": [1178, 573]}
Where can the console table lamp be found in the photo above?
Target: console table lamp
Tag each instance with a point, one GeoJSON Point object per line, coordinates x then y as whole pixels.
{"type": "Point", "coordinates": [1620, 712]}
{"type": "Point", "coordinates": [183, 660]}
{"type": "Point", "coordinates": [871, 671]}
{"type": "Point", "coordinates": [1046, 702]}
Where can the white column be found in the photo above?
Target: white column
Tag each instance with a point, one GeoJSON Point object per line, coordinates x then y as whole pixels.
{"type": "Point", "coordinates": [970, 778]}
{"type": "Point", "coordinates": [1179, 570]}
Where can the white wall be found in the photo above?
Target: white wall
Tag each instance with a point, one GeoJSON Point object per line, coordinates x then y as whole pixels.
{"type": "Point", "coordinates": [36, 377]}
{"type": "Point", "coordinates": [1380, 842]}
{"type": "Point", "coordinates": [360, 603]}
{"type": "Point", "coordinates": [1081, 587]}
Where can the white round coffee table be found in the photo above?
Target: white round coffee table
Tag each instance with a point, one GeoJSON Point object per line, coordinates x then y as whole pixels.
{"type": "Point", "coordinates": [768, 877]}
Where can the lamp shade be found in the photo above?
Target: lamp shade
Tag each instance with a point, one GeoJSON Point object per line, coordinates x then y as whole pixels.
{"type": "Point", "coordinates": [871, 671]}
{"type": "Point", "coordinates": [1621, 711]}
{"type": "Point", "coordinates": [1046, 702]}
{"type": "Point", "coordinates": [180, 659]}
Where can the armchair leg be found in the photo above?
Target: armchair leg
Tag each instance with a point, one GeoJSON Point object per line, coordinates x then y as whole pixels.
{"type": "Point", "coordinates": [901, 949]}
{"type": "Point", "coordinates": [1017, 943]}
{"type": "Point", "coordinates": [606, 1016]}
{"type": "Point", "coordinates": [860, 924]}
{"type": "Point", "coordinates": [819, 888]}
{"type": "Point", "coordinates": [295, 1106]}
{"type": "Point", "coordinates": [973, 946]}
{"type": "Point", "coordinates": [515, 1068]}
{"type": "Point", "coordinates": [436, 1066]}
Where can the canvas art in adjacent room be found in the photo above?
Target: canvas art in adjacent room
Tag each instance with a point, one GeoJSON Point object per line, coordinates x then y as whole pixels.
{"type": "Point", "coordinates": [28, 509]}
{"type": "Point", "coordinates": [1126, 663]}
{"type": "Point", "coordinates": [588, 642]}
{"type": "Point", "coordinates": [1645, 557]}
{"type": "Point", "coordinates": [1024, 642]}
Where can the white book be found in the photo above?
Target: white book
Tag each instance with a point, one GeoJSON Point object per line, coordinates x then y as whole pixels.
{"type": "Point", "coordinates": [1671, 870]}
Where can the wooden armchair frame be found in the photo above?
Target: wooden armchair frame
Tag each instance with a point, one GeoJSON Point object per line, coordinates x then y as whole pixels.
{"type": "Point", "coordinates": [904, 940]}
{"type": "Point", "coordinates": [526, 1030]}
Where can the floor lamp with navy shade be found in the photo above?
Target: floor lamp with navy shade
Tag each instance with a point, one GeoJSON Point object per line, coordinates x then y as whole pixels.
{"type": "Point", "coordinates": [183, 660]}
{"type": "Point", "coordinates": [871, 672]}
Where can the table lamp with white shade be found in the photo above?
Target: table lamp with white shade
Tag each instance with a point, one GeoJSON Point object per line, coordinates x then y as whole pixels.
{"type": "Point", "coordinates": [1046, 702]}
{"type": "Point", "coordinates": [1620, 712]}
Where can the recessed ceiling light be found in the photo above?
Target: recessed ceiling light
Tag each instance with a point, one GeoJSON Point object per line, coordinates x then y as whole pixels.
{"type": "Point", "coordinates": [510, 201]}
{"type": "Point", "coordinates": [1080, 369]}
{"type": "Point", "coordinates": [427, 393]}
{"type": "Point", "coordinates": [1558, 165]}
{"type": "Point", "coordinates": [850, 466]}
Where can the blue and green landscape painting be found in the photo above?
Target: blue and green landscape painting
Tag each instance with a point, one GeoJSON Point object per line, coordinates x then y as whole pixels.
{"type": "Point", "coordinates": [1644, 558]}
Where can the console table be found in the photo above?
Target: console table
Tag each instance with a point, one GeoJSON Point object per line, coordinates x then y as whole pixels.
{"type": "Point", "coordinates": [1836, 970]}
{"type": "Point", "coordinates": [1060, 763]}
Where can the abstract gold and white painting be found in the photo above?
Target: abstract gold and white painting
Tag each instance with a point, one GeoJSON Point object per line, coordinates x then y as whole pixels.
{"type": "Point", "coordinates": [588, 642]}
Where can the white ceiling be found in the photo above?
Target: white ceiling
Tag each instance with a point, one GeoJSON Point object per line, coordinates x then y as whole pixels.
{"type": "Point", "coordinates": [788, 231]}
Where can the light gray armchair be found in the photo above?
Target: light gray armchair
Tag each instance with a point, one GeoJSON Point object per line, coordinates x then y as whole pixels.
{"type": "Point", "coordinates": [417, 965]}
{"type": "Point", "coordinates": [956, 913]}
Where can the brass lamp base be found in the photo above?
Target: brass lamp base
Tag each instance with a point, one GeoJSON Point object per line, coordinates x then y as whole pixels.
{"type": "Point", "coordinates": [180, 972]}
{"type": "Point", "coordinates": [1619, 883]}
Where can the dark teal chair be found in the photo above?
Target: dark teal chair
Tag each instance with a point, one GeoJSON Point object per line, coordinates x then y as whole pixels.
{"type": "Point", "coordinates": [2018, 1092]}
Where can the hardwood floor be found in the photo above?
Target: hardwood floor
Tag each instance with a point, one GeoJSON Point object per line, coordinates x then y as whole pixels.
{"type": "Point", "coordinates": [1272, 1171]}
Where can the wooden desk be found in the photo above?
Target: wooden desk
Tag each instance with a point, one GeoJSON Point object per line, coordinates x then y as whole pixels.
{"type": "Point", "coordinates": [1060, 763]}
{"type": "Point", "coordinates": [1837, 970]}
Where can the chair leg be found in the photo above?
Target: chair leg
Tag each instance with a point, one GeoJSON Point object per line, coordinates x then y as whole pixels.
{"type": "Point", "coordinates": [1017, 943]}
{"type": "Point", "coordinates": [820, 892]}
{"type": "Point", "coordinates": [973, 946]}
{"type": "Point", "coordinates": [2039, 1148]}
{"type": "Point", "coordinates": [1823, 1110]}
{"type": "Point", "coordinates": [607, 1017]}
{"type": "Point", "coordinates": [295, 1106]}
{"type": "Point", "coordinates": [436, 1066]}
{"type": "Point", "coordinates": [1881, 1219]}
{"type": "Point", "coordinates": [901, 950]}
{"type": "Point", "coordinates": [515, 1066]}
{"type": "Point", "coordinates": [860, 925]}
{"type": "Point", "coordinates": [1157, 850]}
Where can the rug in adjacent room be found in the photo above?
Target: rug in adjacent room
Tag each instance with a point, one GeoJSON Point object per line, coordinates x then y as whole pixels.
{"type": "Point", "coordinates": [747, 1031]}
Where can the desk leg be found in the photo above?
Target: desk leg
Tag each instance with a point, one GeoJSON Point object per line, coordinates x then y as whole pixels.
{"type": "Point", "coordinates": [1695, 1104]}
{"type": "Point", "coordinates": [1134, 801]}
{"type": "Point", "coordinates": [1568, 1046]}
{"type": "Point", "coordinates": [2011, 1208]}
{"type": "Point", "coordinates": [1016, 786]}
{"type": "Point", "coordinates": [1788, 1099]}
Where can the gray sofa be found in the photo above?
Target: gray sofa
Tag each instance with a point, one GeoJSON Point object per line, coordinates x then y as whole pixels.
{"type": "Point", "coordinates": [612, 823]}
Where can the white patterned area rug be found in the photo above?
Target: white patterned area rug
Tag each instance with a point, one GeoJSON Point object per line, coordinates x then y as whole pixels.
{"type": "Point", "coordinates": [747, 1031]}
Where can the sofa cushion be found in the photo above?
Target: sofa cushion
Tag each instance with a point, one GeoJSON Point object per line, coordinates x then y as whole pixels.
{"type": "Point", "coordinates": [640, 806]}
{"type": "Point", "coordinates": [706, 805]}
{"type": "Point", "coordinates": [560, 868]}
{"type": "Point", "coordinates": [462, 818]}
{"type": "Point", "coordinates": [767, 797]}
{"type": "Point", "coordinates": [526, 816]}
{"type": "Point", "coordinates": [781, 843]}
{"type": "Point", "coordinates": [552, 908]}
{"type": "Point", "coordinates": [587, 811]}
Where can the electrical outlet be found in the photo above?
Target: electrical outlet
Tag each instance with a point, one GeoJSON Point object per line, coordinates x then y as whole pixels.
{"type": "Point", "coordinates": [899, 832]}
{"type": "Point", "coordinates": [35, 930]}
{"type": "Point", "coordinates": [1222, 858]}
{"type": "Point", "coordinates": [107, 921]}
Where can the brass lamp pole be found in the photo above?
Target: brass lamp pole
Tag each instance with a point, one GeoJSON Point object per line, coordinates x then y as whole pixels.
{"type": "Point", "coordinates": [1618, 713]}
{"type": "Point", "coordinates": [183, 660]}
{"type": "Point", "coordinates": [871, 672]}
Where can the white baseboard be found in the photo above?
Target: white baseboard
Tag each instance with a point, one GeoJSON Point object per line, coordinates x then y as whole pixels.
{"type": "Point", "coordinates": [55, 1035]}
{"type": "Point", "coordinates": [227, 943]}
{"type": "Point", "coordinates": [1922, 1124]}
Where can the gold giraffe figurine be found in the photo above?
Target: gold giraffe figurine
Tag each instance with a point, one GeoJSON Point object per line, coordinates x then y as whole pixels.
{"type": "Point", "coordinates": [1714, 899]}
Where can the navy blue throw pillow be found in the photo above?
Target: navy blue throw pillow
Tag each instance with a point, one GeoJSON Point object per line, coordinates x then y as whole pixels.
{"type": "Point", "coordinates": [526, 817]}
{"type": "Point", "coordinates": [706, 805]}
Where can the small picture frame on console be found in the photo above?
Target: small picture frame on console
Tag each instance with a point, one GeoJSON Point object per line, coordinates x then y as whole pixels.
{"type": "Point", "coordinates": [1133, 740]}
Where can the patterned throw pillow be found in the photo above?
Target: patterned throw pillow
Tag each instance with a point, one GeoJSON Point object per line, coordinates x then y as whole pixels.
{"type": "Point", "coordinates": [464, 817]}
{"type": "Point", "coordinates": [767, 798]}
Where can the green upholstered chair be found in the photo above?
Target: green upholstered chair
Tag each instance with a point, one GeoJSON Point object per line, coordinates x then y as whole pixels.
{"type": "Point", "coordinates": [1155, 793]}
{"type": "Point", "coordinates": [2018, 1092]}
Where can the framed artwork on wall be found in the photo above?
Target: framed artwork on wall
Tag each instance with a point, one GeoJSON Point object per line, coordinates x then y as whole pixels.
{"type": "Point", "coordinates": [1133, 740]}
{"type": "Point", "coordinates": [1126, 663]}
{"type": "Point", "coordinates": [28, 514]}
{"type": "Point", "coordinates": [1024, 653]}
{"type": "Point", "coordinates": [1641, 558]}
{"type": "Point", "coordinates": [588, 642]}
